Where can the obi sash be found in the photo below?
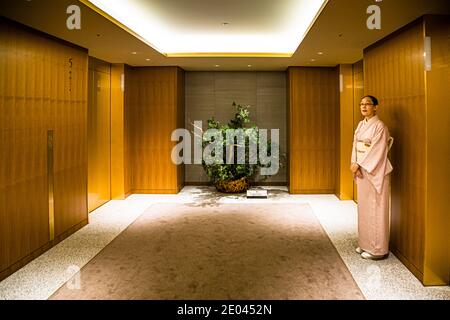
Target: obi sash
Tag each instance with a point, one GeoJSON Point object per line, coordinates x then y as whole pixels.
{"type": "Point", "coordinates": [362, 146]}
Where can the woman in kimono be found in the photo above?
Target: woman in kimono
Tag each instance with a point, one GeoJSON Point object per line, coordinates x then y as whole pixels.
{"type": "Point", "coordinates": [371, 169]}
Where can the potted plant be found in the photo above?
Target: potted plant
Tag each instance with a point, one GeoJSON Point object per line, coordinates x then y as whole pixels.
{"type": "Point", "coordinates": [234, 177]}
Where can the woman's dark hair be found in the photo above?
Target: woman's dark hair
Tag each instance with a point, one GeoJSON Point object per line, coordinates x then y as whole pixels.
{"type": "Point", "coordinates": [374, 100]}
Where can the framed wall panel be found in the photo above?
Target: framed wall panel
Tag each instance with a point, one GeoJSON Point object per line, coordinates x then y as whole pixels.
{"type": "Point", "coordinates": [313, 106]}
{"type": "Point", "coordinates": [155, 105]}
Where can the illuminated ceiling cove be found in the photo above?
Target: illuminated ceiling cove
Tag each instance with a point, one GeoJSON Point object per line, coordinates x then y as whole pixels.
{"type": "Point", "coordinates": [205, 28]}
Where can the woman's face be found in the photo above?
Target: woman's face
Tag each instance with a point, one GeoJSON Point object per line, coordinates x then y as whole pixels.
{"type": "Point", "coordinates": [367, 107]}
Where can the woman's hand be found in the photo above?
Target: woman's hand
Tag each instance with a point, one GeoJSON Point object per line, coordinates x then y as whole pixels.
{"type": "Point", "coordinates": [354, 167]}
{"type": "Point", "coordinates": [356, 170]}
{"type": "Point", "coordinates": [358, 174]}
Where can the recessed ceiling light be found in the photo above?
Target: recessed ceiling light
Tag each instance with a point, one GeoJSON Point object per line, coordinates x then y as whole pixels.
{"type": "Point", "coordinates": [167, 35]}
{"type": "Point", "coordinates": [216, 65]}
{"type": "Point", "coordinates": [320, 53]}
{"type": "Point", "coordinates": [313, 60]}
{"type": "Point", "coordinates": [134, 52]}
{"type": "Point", "coordinates": [225, 24]}
{"type": "Point", "coordinates": [148, 59]}
{"type": "Point", "coordinates": [249, 65]}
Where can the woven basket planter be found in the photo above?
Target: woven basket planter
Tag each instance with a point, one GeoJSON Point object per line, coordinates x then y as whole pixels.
{"type": "Point", "coordinates": [234, 186]}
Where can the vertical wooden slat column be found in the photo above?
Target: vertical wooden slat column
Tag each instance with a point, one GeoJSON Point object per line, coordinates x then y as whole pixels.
{"type": "Point", "coordinates": [3, 149]}
{"type": "Point", "coordinates": [180, 116]}
{"type": "Point", "coordinates": [99, 133]}
{"type": "Point", "coordinates": [118, 190]}
{"type": "Point", "coordinates": [358, 93]}
{"type": "Point", "coordinates": [437, 219]}
{"type": "Point", "coordinates": [313, 106]}
{"type": "Point", "coordinates": [351, 86]}
{"type": "Point", "coordinates": [128, 100]}
{"type": "Point", "coordinates": [345, 178]}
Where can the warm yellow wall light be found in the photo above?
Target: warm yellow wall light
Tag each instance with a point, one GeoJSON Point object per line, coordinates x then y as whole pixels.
{"type": "Point", "coordinates": [252, 31]}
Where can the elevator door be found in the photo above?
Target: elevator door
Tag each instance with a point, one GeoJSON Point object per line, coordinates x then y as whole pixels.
{"type": "Point", "coordinates": [99, 134]}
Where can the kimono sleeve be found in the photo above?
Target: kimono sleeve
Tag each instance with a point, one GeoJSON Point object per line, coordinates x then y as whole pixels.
{"type": "Point", "coordinates": [353, 159]}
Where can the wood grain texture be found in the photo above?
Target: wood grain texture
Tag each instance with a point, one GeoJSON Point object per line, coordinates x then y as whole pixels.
{"type": "Point", "coordinates": [117, 132]}
{"type": "Point", "coordinates": [358, 93]}
{"type": "Point", "coordinates": [154, 101]}
{"type": "Point", "coordinates": [394, 73]}
{"type": "Point", "coordinates": [127, 131]}
{"type": "Point", "coordinates": [99, 133]}
{"type": "Point", "coordinates": [43, 87]}
{"type": "Point", "coordinates": [180, 114]}
{"type": "Point", "coordinates": [437, 219]}
{"type": "Point", "coordinates": [71, 144]}
{"type": "Point", "coordinates": [411, 106]}
{"type": "Point", "coordinates": [313, 123]}
{"type": "Point", "coordinates": [344, 183]}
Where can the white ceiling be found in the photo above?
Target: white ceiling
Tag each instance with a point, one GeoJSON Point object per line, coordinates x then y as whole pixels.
{"type": "Point", "coordinates": [192, 27]}
{"type": "Point", "coordinates": [339, 32]}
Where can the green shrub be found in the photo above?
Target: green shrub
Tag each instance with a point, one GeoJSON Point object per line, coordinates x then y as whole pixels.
{"type": "Point", "coordinates": [229, 172]}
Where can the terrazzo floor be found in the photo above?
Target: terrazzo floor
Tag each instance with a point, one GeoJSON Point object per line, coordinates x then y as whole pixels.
{"type": "Point", "coordinates": [385, 279]}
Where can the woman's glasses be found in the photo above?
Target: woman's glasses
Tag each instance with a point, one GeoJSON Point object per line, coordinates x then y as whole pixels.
{"type": "Point", "coordinates": [365, 104]}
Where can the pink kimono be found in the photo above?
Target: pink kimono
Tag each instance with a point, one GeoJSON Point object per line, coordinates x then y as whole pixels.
{"type": "Point", "coordinates": [370, 149]}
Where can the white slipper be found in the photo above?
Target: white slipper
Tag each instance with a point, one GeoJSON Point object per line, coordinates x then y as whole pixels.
{"type": "Point", "coordinates": [359, 250]}
{"type": "Point", "coordinates": [366, 255]}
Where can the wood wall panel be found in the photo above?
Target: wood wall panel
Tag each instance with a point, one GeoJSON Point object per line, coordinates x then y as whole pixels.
{"type": "Point", "coordinates": [313, 106]}
{"type": "Point", "coordinates": [344, 181]}
{"type": "Point", "coordinates": [154, 112]}
{"type": "Point", "coordinates": [394, 72]}
{"type": "Point", "coordinates": [118, 132]}
{"type": "Point", "coordinates": [37, 94]}
{"type": "Point", "coordinates": [70, 144]}
{"type": "Point", "coordinates": [127, 130]}
{"type": "Point", "coordinates": [3, 150]}
{"type": "Point", "coordinates": [437, 219]}
{"type": "Point", "coordinates": [358, 93]}
{"type": "Point", "coordinates": [180, 114]}
{"type": "Point", "coordinates": [99, 134]}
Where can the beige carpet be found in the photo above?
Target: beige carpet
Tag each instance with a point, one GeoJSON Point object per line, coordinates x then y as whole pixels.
{"type": "Point", "coordinates": [226, 251]}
